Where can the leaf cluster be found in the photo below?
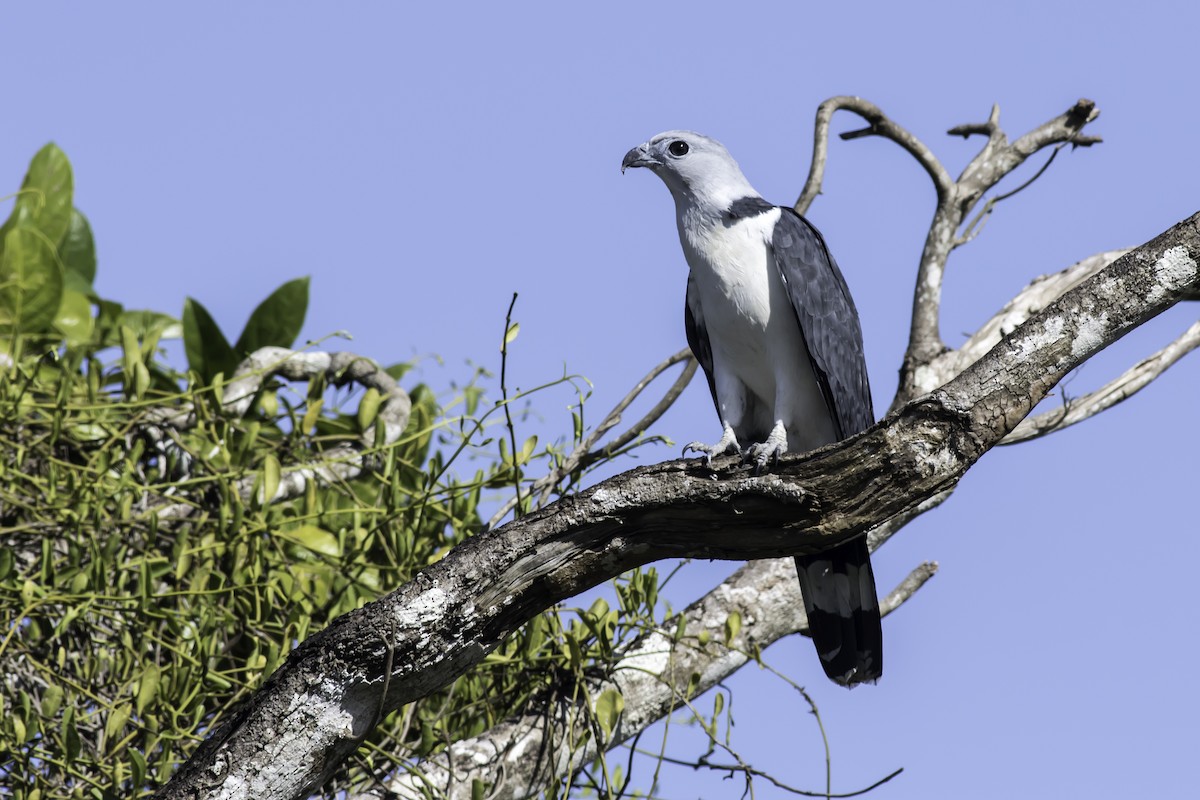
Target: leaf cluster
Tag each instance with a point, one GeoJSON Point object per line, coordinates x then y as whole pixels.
{"type": "Point", "coordinates": [152, 575]}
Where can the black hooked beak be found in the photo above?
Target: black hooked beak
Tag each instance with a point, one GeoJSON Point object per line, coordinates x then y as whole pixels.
{"type": "Point", "coordinates": [638, 157]}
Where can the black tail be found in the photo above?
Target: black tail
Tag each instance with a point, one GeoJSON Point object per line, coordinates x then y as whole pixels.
{"type": "Point", "coordinates": [843, 611]}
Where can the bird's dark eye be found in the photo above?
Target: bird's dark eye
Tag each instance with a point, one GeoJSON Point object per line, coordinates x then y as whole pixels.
{"type": "Point", "coordinates": [678, 148]}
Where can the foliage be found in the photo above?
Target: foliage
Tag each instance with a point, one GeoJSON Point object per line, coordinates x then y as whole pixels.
{"type": "Point", "coordinates": [144, 593]}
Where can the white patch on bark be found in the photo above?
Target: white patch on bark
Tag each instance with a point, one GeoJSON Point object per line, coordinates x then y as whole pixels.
{"type": "Point", "coordinates": [651, 656]}
{"type": "Point", "coordinates": [1174, 270]}
{"type": "Point", "coordinates": [1090, 334]}
{"type": "Point", "coordinates": [1030, 345]}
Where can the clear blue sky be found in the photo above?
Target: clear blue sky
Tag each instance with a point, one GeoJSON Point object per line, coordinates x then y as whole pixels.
{"type": "Point", "coordinates": [422, 163]}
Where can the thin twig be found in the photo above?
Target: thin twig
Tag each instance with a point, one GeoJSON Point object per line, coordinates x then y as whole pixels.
{"type": "Point", "coordinates": [508, 421]}
{"type": "Point", "coordinates": [746, 769]}
{"type": "Point", "coordinates": [584, 456]}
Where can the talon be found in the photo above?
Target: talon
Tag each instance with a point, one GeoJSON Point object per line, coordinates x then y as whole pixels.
{"type": "Point", "coordinates": [728, 443]}
{"type": "Point", "coordinates": [698, 447]}
{"type": "Point", "coordinates": [768, 451]}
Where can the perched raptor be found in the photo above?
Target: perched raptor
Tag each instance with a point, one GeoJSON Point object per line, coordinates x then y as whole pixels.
{"type": "Point", "coordinates": [769, 317]}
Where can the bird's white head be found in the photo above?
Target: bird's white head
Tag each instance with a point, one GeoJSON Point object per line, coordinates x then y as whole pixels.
{"type": "Point", "coordinates": [697, 169]}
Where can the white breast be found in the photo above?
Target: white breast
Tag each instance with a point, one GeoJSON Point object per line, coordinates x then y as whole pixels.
{"type": "Point", "coordinates": [751, 325]}
{"type": "Point", "coordinates": [733, 278]}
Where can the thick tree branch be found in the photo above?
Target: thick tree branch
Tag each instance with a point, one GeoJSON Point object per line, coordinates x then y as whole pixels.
{"type": "Point", "coordinates": [314, 710]}
{"type": "Point", "coordinates": [654, 677]}
{"type": "Point", "coordinates": [500, 757]}
{"type": "Point", "coordinates": [1128, 384]}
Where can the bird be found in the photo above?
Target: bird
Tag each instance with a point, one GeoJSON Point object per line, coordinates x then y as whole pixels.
{"type": "Point", "coordinates": [770, 318]}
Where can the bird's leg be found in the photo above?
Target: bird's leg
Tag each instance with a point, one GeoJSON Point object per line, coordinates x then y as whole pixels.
{"type": "Point", "coordinates": [770, 450]}
{"type": "Point", "coordinates": [727, 444]}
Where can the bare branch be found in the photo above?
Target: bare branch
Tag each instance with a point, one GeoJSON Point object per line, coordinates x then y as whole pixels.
{"type": "Point", "coordinates": [313, 711]}
{"type": "Point", "coordinates": [1127, 385]}
{"type": "Point", "coordinates": [994, 161]}
{"type": "Point", "coordinates": [880, 125]}
{"type": "Point", "coordinates": [1038, 294]}
{"type": "Point", "coordinates": [651, 416]}
{"type": "Point", "coordinates": [584, 455]}
{"type": "Point", "coordinates": [997, 158]}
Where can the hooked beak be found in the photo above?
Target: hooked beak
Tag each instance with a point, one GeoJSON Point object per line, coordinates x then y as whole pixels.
{"type": "Point", "coordinates": [638, 157]}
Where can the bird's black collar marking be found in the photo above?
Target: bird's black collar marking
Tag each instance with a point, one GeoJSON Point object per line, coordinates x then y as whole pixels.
{"type": "Point", "coordinates": [747, 207]}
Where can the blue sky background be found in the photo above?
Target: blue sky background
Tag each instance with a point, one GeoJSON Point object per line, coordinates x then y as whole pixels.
{"type": "Point", "coordinates": [424, 162]}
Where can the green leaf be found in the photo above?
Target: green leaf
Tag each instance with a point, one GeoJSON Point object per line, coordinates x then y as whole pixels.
{"type": "Point", "coordinates": [609, 706]}
{"type": "Point", "coordinates": [116, 724]}
{"type": "Point", "coordinates": [368, 408]}
{"type": "Point", "coordinates": [70, 735]}
{"type": "Point", "coordinates": [277, 320]}
{"type": "Point", "coordinates": [131, 351]}
{"type": "Point", "coordinates": [137, 762]}
{"type": "Point", "coordinates": [527, 450]}
{"type": "Point", "coordinates": [316, 539]}
{"type": "Point", "coordinates": [208, 351]}
{"type": "Point", "coordinates": [151, 324]}
{"type": "Point", "coordinates": [74, 320]}
{"type": "Point", "coordinates": [77, 248]}
{"type": "Point", "coordinates": [148, 687]}
{"type": "Point", "coordinates": [733, 625]}
{"type": "Point", "coordinates": [141, 380]}
{"type": "Point", "coordinates": [31, 282]}
{"type": "Point", "coordinates": [270, 480]}
{"type": "Point", "coordinates": [51, 700]}
{"type": "Point", "coordinates": [311, 415]}
{"type": "Point", "coordinates": [511, 333]}
{"type": "Point", "coordinates": [45, 198]}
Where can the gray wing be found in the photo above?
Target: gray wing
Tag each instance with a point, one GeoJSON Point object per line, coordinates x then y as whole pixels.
{"type": "Point", "coordinates": [697, 337]}
{"type": "Point", "coordinates": [827, 318]}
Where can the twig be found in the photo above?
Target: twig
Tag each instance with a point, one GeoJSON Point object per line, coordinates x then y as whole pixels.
{"type": "Point", "coordinates": [584, 456]}
{"type": "Point", "coordinates": [508, 421]}
{"type": "Point", "coordinates": [748, 770]}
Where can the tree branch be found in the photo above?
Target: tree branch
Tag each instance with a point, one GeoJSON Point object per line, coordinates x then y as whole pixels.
{"type": "Point", "coordinates": [584, 454]}
{"type": "Point", "coordinates": [654, 677]}
{"type": "Point", "coordinates": [340, 463]}
{"type": "Point", "coordinates": [955, 200]}
{"type": "Point", "coordinates": [880, 125]}
{"type": "Point", "coordinates": [992, 163]}
{"type": "Point", "coordinates": [1122, 388]}
{"type": "Point", "coordinates": [315, 709]}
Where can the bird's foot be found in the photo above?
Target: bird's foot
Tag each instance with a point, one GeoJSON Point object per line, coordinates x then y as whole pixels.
{"type": "Point", "coordinates": [727, 444]}
{"type": "Point", "coordinates": [770, 450]}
